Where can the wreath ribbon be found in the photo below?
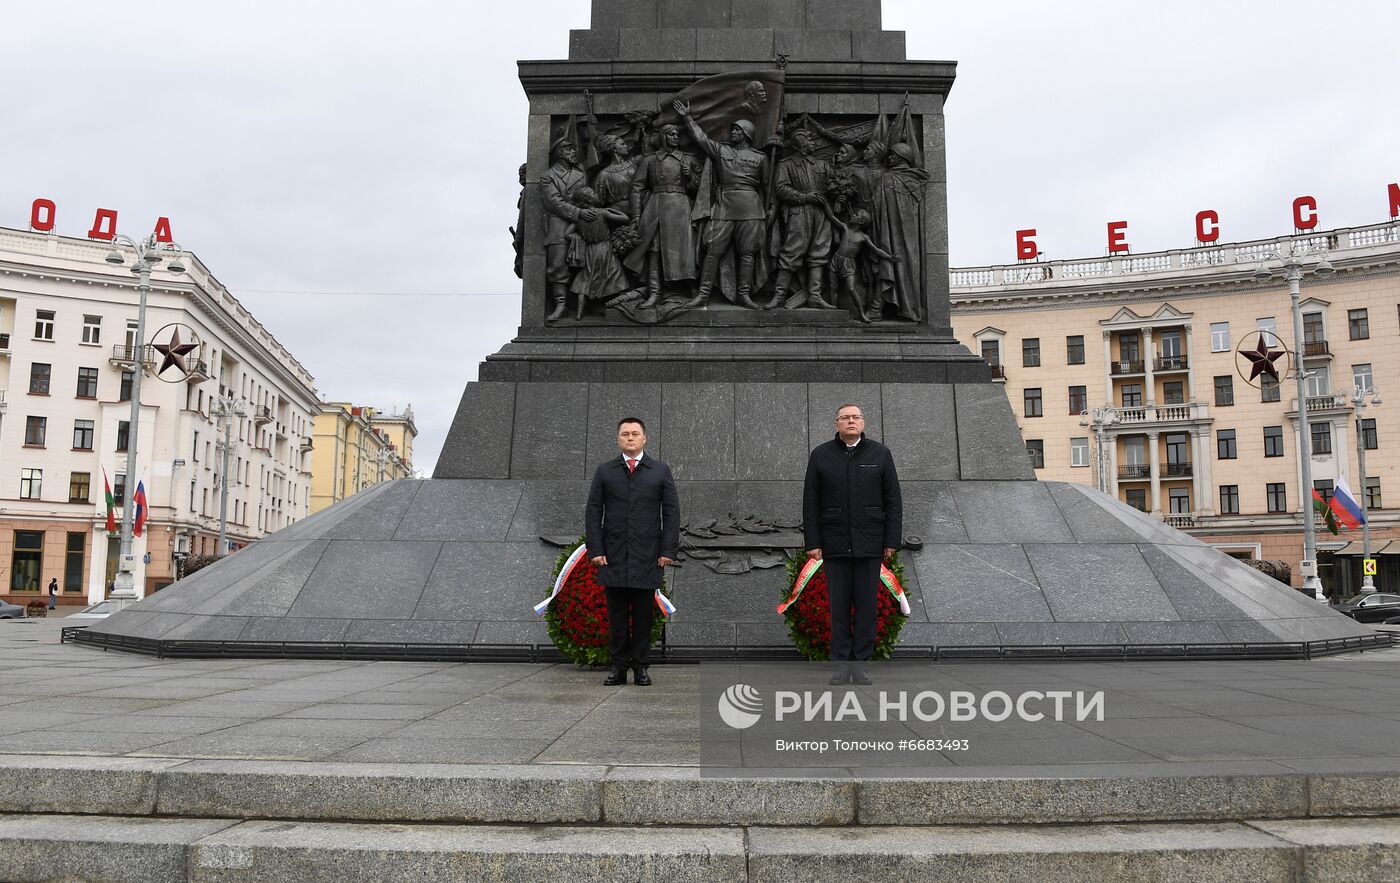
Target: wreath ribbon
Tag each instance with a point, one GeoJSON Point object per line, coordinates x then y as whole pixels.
{"type": "Point", "coordinates": [809, 570]}
{"type": "Point", "coordinates": [667, 607]}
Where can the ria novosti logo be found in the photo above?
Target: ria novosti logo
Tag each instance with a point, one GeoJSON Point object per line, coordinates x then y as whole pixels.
{"type": "Point", "coordinates": [740, 706]}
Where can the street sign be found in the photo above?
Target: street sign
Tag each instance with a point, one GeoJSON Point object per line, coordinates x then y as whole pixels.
{"type": "Point", "coordinates": [146, 558]}
{"type": "Point", "coordinates": [1368, 566]}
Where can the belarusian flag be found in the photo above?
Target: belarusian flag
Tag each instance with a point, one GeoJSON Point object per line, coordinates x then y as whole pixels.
{"type": "Point", "coordinates": [111, 503]}
{"type": "Point", "coordinates": [1328, 516]}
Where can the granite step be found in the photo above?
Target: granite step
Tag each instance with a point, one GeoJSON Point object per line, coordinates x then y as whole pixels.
{"type": "Point", "coordinates": [664, 796]}
{"type": "Point", "coordinates": [153, 850]}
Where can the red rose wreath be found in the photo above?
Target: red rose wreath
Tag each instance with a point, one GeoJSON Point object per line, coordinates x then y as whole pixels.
{"type": "Point", "coordinates": [807, 607]}
{"type": "Point", "coordinates": [576, 611]}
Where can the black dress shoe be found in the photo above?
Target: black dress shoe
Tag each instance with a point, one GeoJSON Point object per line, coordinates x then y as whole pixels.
{"type": "Point", "coordinates": [617, 677]}
{"type": "Point", "coordinates": [640, 677]}
{"type": "Point", "coordinates": [860, 678]}
{"type": "Point", "coordinates": [840, 677]}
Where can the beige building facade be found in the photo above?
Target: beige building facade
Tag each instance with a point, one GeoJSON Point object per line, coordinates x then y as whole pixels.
{"type": "Point", "coordinates": [1151, 342]}
{"type": "Point", "coordinates": [67, 357]}
{"type": "Point", "coordinates": [357, 447]}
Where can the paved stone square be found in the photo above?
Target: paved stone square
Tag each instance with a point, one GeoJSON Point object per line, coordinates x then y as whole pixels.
{"type": "Point", "coordinates": [1335, 713]}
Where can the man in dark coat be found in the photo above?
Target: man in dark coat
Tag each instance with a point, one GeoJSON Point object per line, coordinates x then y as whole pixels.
{"type": "Point", "coordinates": [632, 531]}
{"type": "Point", "coordinates": [852, 517]}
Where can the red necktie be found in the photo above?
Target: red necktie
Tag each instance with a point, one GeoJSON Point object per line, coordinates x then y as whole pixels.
{"type": "Point", "coordinates": [631, 465]}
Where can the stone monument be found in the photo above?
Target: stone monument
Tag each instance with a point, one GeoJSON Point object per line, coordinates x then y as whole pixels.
{"type": "Point", "coordinates": [733, 220]}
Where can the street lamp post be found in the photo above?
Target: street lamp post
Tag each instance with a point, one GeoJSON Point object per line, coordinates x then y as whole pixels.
{"type": "Point", "coordinates": [1359, 395]}
{"type": "Point", "coordinates": [1100, 419]}
{"type": "Point", "coordinates": [226, 408]}
{"type": "Point", "coordinates": [1293, 260]}
{"type": "Point", "coordinates": [148, 254]}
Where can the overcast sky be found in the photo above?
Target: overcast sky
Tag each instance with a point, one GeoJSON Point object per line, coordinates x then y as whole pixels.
{"type": "Point", "coordinates": [348, 168]}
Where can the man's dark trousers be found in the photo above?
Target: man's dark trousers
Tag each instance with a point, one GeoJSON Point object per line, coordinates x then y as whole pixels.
{"type": "Point", "coordinates": [853, 582]}
{"type": "Point", "coordinates": [630, 645]}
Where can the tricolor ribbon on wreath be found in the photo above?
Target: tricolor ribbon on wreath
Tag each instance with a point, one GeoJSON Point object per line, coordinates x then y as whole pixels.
{"type": "Point", "coordinates": [667, 607]}
{"type": "Point", "coordinates": [809, 570]}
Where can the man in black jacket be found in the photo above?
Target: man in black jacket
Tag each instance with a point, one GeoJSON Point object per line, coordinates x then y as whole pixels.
{"type": "Point", "coordinates": [632, 532]}
{"type": "Point", "coordinates": [852, 519]}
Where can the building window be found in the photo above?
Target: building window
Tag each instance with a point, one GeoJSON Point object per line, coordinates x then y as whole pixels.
{"type": "Point", "coordinates": [74, 562]}
{"type": "Point", "coordinates": [92, 329]}
{"type": "Point", "coordinates": [1225, 444]}
{"type": "Point", "coordinates": [79, 487]}
{"type": "Point", "coordinates": [1078, 399]}
{"type": "Point", "coordinates": [991, 352]}
{"type": "Point", "coordinates": [39, 373]}
{"type": "Point", "coordinates": [1074, 349]}
{"type": "Point", "coordinates": [1179, 501]}
{"type": "Point", "coordinates": [31, 484]}
{"type": "Point", "coordinates": [1220, 337]}
{"type": "Point", "coordinates": [124, 393]}
{"type": "Point", "coordinates": [87, 383]}
{"type": "Point", "coordinates": [1033, 403]}
{"type": "Point", "coordinates": [1224, 390]}
{"type": "Point", "coordinates": [27, 561]}
{"type": "Point", "coordinates": [1177, 443]}
{"type": "Point", "coordinates": [1369, 439]}
{"type": "Point", "coordinates": [1267, 323]}
{"type": "Point", "coordinates": [1030, 352]}
{"type": "Point", "coordinates": [1273, 441]}
{"type": "Point", "coordinates": [123, 434]}
{"type": "Point", "coordinates": [1137, 498]}
{"type": "Point", "coordinates": [1079, 451]}
{"type": "Point", "coordinates": [1324, 489]}
{"type": "Point", "coordinates": [1313, 330]}
{"type": "Point", "coordinates": [82, 435]}
{"type": "Point", "coordinates": [1361, 376]}
{"type": "Point", "coordinates": [1173, 393]}
{"type": "Point", "coordinates": [1268, 389]}
{"type": "Point", "coordinates": [131, 334]}
{"type": "Point", "coordinates": [1035, 449]}
{"type": "Point", "coordinates": [1358, 324]}
{"type": "Point", "coordinates": [35, 431]}
{"type": "Point", "coordinates": [1132, 395]}
{"type": "Point", "coordinates": [1229, 499]}
{"type": "Point", "coordinates": [1130, 348]}
{"type": "Point", "coordinates": [43, 324]}
{"type": "Point", "coordinates": [1321, 438]}
{"type": "Point", "coordinates": [1319, 381]}
{"type": "Point", "coordinates": [1372, 490]}
{"type": "Point", "coordinates": [119, 489]}
{"type": "Point", "coordinates": [1277, 495]}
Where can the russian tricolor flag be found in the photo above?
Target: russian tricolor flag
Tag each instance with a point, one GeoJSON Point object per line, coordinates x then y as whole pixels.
{"type": "Point", "coordinates": [1344, 505]}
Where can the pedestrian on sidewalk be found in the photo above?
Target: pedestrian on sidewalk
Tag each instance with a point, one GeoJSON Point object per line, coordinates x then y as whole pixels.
{"type": "Point", "coordinates": [53, 593]}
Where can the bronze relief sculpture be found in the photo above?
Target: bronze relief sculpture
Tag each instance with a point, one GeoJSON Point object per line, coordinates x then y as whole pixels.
{"type": "Point", "coordinates": [647, 214]}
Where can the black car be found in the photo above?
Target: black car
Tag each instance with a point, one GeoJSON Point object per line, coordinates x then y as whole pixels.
{"type": "Point", "coordinates": [1376, 607]}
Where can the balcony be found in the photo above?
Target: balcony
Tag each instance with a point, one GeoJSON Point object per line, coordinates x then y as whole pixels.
{"type": "Point", "coordinates": [199, 371]}
{"type": "Point", "coordinates": [1177, 470]}
{"type": "Point", "coordinates": [1158, 414]}
{"type": "Point", "coordinates": [1169, 363]}
{"type": "Point", "coordinates": [262, 415]}
{"type": "Point", "coordinates": [1180, 520]}
{"type": "Point", "coordinates": [1135, 472]}
{"type": "Point", "coordinates": [125, 356]}
{"type": "Point", "coordinates": [1125, 368]}
{"type": "Point", "coordinates": [1316, 349]}
{"type": "Point", "coordinates": [998, 372]}
{"type": "Point", "coordinates": [307, 444]}
{"type": "Point", "coordinates": [1331, 401]}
